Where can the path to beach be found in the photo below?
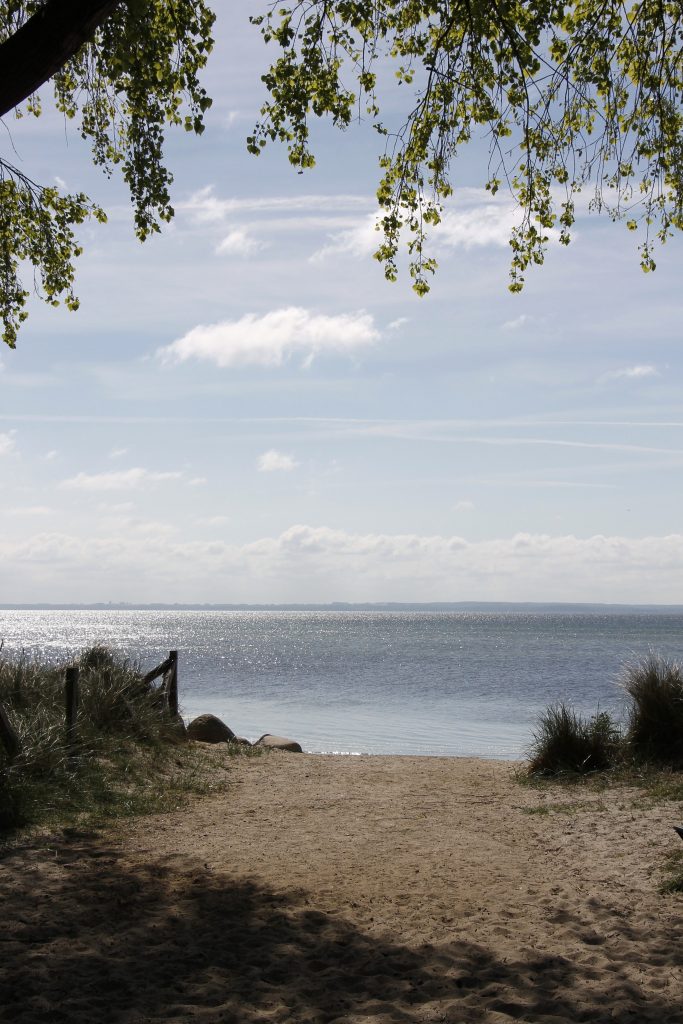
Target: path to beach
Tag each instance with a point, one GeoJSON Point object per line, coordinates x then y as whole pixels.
{"type": "Point", "coordinates": [381, 890]}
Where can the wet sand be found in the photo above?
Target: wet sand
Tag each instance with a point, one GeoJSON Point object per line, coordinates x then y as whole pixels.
{"type": "Point", "coordinates": [381, 890]}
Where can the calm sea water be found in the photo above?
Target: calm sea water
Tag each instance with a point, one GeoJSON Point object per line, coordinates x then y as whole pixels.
{"type": "Point", "coordinates": [371, 682]}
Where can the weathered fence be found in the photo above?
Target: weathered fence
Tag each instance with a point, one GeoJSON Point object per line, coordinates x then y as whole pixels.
{"type": "Point", "coordinates": [169, 685]}
{"type": "Point", "coordinates": [168, 691]}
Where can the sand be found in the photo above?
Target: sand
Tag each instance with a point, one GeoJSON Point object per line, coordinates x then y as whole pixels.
{"type": "Point", "coordinates": [382, 890]}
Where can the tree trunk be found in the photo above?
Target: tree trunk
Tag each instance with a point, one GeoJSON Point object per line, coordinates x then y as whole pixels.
{"type": "Point", "coordinates": [45, 43]}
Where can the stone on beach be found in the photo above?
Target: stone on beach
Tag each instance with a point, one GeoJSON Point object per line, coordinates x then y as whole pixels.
{"type": "Point", "coordinates": [209, 729]}
{"type": "Point", "coordinates": [278, 743]}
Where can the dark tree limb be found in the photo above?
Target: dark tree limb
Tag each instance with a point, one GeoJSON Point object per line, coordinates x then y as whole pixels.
{"type": "Point", "coordinates": [44, 44]}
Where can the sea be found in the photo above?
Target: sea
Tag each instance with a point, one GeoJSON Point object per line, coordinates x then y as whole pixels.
{"type": "Point", "coordinates": [457, 681]}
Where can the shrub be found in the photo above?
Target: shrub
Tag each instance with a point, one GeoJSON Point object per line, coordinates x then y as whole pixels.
{"type": "Point", "coordinates": [566, 743]}
{"type": "Point", "coordinates": [655, 717]}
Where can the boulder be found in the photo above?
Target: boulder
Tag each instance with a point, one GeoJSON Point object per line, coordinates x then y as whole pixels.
{"type": "Point", "coordinates": [278, 743]}
{"type": "Point", "coordinates": [209, 729]}
{"type": "Point", "coordinates": [242, 741]}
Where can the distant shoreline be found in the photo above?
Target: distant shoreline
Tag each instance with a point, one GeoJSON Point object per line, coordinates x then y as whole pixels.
{"type": "Point", "coordinates": [501, 607]}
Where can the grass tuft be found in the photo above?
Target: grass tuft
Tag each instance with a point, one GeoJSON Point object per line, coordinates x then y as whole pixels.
{"type": "Point", "coordinates": [654, 687]}
{"type": "Point", "coordinates": [565, 743]}
{"type": "Point", "coordinates": [673, 866]}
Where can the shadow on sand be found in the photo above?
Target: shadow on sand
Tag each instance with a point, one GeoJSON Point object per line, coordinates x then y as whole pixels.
{"type": "Point", "coordinates": [87, 936]}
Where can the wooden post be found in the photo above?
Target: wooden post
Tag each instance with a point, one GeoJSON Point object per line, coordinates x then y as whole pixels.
{"type": "Point", "coordinates": [71, 695]}
{"type": "Point", "coordinates": [172, 684]}
{"type": "Point", "coordinates": [8, 735]}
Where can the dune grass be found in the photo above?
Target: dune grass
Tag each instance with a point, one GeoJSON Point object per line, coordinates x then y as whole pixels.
{"type": "Point", "coordinates": [129, 756]}
{"type": "Point", "coordinates": [654, 687]}
{"type": "Point", "coordinates": [566, 743]}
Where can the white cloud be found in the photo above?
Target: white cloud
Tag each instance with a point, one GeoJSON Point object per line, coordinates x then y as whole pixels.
{"type": "Point", "coordinates": [360, 240]}
{"type": "Point", "coordinates": [523, 320]}
{"type": "Point", "coordinates": [205, 206]}
{"type": "Point", "coordinates": [482, 225]}
{"type": "Point", "coordinates": [273, 461]}
{"type": "Point", "coordinates": [212, 521]}
{"type": "Point", "coordinates": [474, 219]}
{"type": "Point", "coordinates": [197, 481]}
{"type": "Point", "coordinates": [7, 442]}
{"type": "Point", "coordinates": [51, 455]}
{"type": "Point", "coordinates": [636, 372]}
{"type": "Point", "coordinates": [119, 508]}
{"type": "Point", "coordinates": [29, 510]}
{"type": "Point", "coordinates": [397, 324]}
{"type": "Point", "coordinates": [324, 564]}
{"type": "Point", "coordinates": [463, 506]}
{"type": "Point", "coordinates": [239, 242]}
{"type": "Point", "coordinates": [117, 453]}
{"type": "Point", "coordinates": [271, 339]}
{"type": "Point", "coordinates": [125, 480]}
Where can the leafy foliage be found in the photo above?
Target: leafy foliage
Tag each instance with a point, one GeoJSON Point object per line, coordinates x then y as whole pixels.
{"type": "Point", "coordinates": [138, 75]}
{"type": "Point", "coordinates": [569, 95]}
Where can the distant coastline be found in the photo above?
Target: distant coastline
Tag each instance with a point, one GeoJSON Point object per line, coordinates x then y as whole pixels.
{"type": "Point", "coordinates": [499, 607]}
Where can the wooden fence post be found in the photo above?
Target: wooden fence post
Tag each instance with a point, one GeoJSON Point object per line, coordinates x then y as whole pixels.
{"type": "Point", "coordinates": [8, 735]}
{"type": "Point", "coordinates": [172, 683]}
{"type": "Point", "coordinates": [71, 696]}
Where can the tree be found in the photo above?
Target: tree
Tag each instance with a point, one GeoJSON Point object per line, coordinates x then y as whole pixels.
{"type": "Point", "coordinates": [572, 95]}
{"type": "Point", "coordinates": [127, 70]}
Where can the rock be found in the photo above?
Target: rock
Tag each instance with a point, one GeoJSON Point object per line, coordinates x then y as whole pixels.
{"type": "Point", "coordinates": [278, 743]}
{"type": "Point", "coordinates": [209, 729]}
{"type": "Point", "coordinates": [240, 739]}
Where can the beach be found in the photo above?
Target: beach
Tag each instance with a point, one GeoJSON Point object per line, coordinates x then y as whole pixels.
{"type": "Point", "coordinates": [381, 890]}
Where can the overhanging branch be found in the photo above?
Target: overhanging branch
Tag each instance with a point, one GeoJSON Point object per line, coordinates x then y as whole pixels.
{"type": "Point", "coordinates": [45, 43]}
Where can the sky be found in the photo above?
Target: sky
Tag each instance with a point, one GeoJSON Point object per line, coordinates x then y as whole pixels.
{"type": "Point", "coordinates": [244, 410]}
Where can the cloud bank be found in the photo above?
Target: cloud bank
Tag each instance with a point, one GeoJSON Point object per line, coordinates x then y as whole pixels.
{"type": "Point", "coordinates": [309, 563]}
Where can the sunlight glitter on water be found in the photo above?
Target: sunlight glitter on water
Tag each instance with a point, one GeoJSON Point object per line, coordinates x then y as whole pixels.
{"type": "Point", "coordinates": [435, 683]}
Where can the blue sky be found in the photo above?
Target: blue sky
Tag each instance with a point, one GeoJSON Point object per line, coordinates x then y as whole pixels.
{"type": "Point", "coordinates": [244, 410]}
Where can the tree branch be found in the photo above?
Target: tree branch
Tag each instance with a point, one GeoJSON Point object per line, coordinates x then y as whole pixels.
{"type": "Point", "coordinates": [45, 43]}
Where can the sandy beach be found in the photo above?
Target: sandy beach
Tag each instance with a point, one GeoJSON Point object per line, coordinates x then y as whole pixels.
{"type": "Point", "coordinates": [381, 890]}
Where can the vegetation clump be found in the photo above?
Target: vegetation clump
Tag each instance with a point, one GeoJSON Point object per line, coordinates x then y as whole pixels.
{"type": "Point", "coordinates": [566, 743]}
{"type": "Point", "coordinates": [125, 757]}
{"type": "Point", "coordinates": [655, 721]}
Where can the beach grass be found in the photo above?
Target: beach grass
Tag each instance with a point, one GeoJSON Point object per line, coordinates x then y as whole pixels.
{"type": "Point", "coordinates": [566, 743]}
{"type": "Point", "coordinates": [127, 756]}
{"type": "Point", "coordinates": [654, 686]}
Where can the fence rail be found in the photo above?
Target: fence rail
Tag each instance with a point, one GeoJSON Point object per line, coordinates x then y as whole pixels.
{"type": "Point", "coordinates": [168, 691]}
{"type": "Point", "coordinates": [169, 686]}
